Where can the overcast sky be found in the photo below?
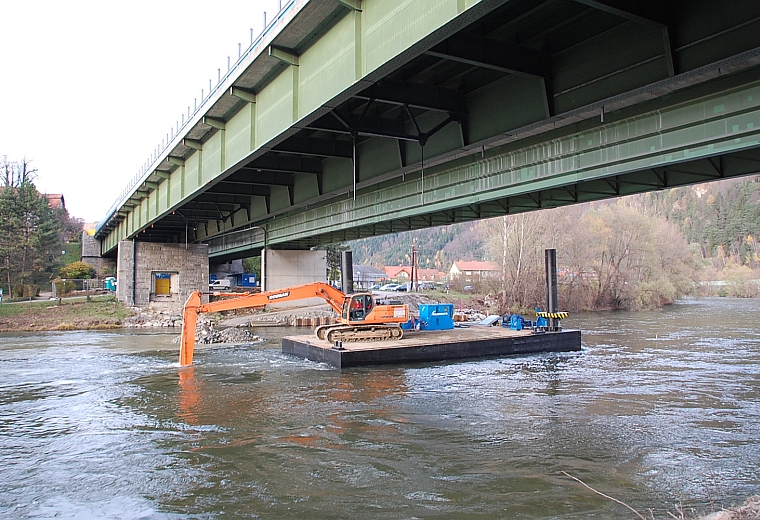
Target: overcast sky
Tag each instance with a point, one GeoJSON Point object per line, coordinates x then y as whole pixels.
{"type": "Point", "coordinates": [88, 89]}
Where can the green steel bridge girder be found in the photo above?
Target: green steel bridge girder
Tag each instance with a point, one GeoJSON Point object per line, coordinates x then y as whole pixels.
{"type": "Point", "coordinates": [696, 141]}
{"type": "Point", "coordinates": [511, 106]}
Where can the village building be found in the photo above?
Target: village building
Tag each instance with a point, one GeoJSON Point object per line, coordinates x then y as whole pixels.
{"type": "Point", "coordinates": [55, 200]}
{"type": "Point", "coordinates": [403, 274]}
{"type": "Point", "coordinates": [365, 276]}
{"type": "Point", "coordinates": [472, 272]}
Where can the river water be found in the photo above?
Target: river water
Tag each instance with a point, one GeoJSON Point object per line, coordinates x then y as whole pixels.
{"type": "Point", "coordinates": [659, 409]}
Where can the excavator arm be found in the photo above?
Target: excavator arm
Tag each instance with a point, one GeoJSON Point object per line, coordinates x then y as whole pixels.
{"type": "Point", "coordinates": [194, 306]}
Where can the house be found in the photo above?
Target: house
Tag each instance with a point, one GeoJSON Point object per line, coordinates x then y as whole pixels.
{"type": "Point", "coordinates": [366, 276]}
{"type": "Point", "coordinates": [403, 274]}
{"type": "Point", "coordinates": [55, 200]}
{"type": "Point", "coordinates": [397, 272]}
{"type": "Point", "coordinates": [473, 271]}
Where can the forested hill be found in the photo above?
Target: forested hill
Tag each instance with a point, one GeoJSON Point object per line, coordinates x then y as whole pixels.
{"type": "Point", "coordinates": [437, 247]}
{"type": "Point", "coordinates": [721, 219]}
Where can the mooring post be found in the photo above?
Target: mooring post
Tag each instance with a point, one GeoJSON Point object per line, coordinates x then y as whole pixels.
{"type": "Point", "coordinates": [552, 302]}
{"type": "Point", "coordinates": [346, 272]}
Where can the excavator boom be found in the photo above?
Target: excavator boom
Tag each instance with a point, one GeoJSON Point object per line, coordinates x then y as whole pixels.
{"type": "Point", "coordinates": [370, 314]}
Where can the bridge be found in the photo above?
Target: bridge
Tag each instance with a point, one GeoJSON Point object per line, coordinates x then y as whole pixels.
{"type": "Point", "coordinates": [352, 118]}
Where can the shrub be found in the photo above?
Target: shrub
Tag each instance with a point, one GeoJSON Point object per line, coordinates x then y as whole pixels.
{"type": "Point", "coordinates": [77, 270]}
{"type": "Point", "coordinates": [26, 291]}
{"type": "Point", "coordinates": [63, 287]}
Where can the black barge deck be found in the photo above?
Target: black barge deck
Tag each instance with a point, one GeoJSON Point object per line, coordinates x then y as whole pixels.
{"type": "Point", "coordinates": [415, 347]}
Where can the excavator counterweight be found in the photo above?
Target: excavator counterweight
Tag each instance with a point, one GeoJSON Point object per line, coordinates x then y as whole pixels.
{"type": "Point", "coordinates": [360, 317]}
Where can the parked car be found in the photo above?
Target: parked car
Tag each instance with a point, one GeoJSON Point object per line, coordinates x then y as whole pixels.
{"type": "Point", "coordinates": [219, 284]}
{"type": "Point", "coordinates": [389, 287]}
{"type": "Point", "coordinates": [469, 288]}
{"type": "Point", "coordinates": [401, 288]}
{"type": "Point", "coordinates": [375, 287]}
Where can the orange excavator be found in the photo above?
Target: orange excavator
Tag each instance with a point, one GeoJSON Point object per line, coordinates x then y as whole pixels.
{"type": "Point", "coordinates": [361, 318]}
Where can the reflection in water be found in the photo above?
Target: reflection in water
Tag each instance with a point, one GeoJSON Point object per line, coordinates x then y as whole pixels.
{"type": "Point", "coordinates": [189, 395]}
{"type": "Point", "coordinates": [659, 408]}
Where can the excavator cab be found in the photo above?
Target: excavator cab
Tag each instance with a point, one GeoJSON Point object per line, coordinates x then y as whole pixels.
{"type": "Point", "coordinates": [357, 307]}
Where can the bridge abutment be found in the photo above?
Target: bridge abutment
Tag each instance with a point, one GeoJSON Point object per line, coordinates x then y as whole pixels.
{"type": "Point", "coordinates": [160, 276]}
{"type": "Point", "coordinates": [103, 266]}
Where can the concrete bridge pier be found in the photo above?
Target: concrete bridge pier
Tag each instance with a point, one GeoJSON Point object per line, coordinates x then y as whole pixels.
{"type": "Point", "coordinates": [289, 267]}
{"type": "Point", "coordinates": [160, 276]}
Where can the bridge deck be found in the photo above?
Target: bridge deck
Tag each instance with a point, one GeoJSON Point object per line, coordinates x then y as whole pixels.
{"type": "Point", "coordinates": [345, 120]}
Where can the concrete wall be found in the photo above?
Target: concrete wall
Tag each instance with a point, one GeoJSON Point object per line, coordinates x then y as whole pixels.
{"type": "Point", "coordinates": [287, 268]}
{"type": "Point", "coordinates": [91, 256]}
{"type": "Point", "coordinates": [140, 262]}
{"type": "Point", "coordinates": [228, 268]}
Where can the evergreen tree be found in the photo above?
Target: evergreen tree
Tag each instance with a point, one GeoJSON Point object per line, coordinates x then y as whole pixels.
{"type": "Point", "coordinates": [30, 237]}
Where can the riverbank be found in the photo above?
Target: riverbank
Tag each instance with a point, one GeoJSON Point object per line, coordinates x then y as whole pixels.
{"type": "Point", "coordinates": [99, 312]}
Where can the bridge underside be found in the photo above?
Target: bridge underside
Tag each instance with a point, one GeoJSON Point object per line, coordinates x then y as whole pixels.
{"type": "Point", "coordinates": [497, 107]}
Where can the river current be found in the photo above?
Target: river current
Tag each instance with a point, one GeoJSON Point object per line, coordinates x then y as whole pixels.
{"type": "Point", "coordinates": [659, 410]}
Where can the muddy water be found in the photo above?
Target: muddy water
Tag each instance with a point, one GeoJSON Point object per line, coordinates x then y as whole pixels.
{"type": "Point", "coordinates": [659, 409]}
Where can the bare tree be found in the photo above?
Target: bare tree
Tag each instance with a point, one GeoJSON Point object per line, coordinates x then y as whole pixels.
{"type": "Point", "coordinates": [15, 173]}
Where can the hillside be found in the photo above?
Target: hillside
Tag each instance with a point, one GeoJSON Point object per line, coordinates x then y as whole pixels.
{"type": "Point", "coordinates": [721, 219]}
{"type": "Point", "coordinates": [639, 251]}
{"type": "Point", "coordinates": [437, 247]}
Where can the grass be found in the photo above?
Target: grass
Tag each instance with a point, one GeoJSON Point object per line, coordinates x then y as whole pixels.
{"type": "Point", "coordinates": [98, 312]}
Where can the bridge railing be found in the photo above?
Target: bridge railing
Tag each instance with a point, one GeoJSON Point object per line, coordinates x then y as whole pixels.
{"type": "Point", "coordinates": [235, 239]}
{"type": "Point", "coordinates": [162, 151]}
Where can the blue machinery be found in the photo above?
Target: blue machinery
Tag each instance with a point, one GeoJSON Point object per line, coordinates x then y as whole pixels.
{"type": "Point", "coordinates": [549, 320]}
{"type": "Point", "coordinates": [545, 321]}
{"type": "Point", "coordinates": [439, 316]}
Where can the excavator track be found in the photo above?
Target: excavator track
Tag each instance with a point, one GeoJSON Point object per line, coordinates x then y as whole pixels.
{"type": "Point", "coordinates": [359, 333]}
{"type": "Point", "coordinates": [321, 330]}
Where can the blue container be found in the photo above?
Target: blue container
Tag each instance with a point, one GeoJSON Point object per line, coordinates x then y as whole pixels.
{"type": "Point", "coordinates": [439, 316]}
{"type": "Point", "coordinates": [248, 280]}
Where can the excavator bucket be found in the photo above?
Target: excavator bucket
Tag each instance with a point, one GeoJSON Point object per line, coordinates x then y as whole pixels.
{"type": "Point", "coordinates": [189, 320]}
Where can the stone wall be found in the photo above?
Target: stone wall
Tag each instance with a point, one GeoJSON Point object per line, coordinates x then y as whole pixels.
{"type": "Point", "coordinates": [140, 264]}
{"type": "Point", "coordinates": [125, 278]}
{"type": "Point", "coordinates": [91, 256]}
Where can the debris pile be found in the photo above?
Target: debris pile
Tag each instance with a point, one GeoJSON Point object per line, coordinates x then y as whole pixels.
{"type": "Point", "coordinates": [206, 333]}
{"type": "Point", "coordinates": [149, 318]}
{"type": "Point", "coordinates": [464, 315]}
{"type": "Point", "coordinates": [290, 316]}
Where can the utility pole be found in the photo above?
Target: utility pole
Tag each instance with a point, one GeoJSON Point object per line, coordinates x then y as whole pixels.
{"type": "Point", "coordinates": [414, 273]}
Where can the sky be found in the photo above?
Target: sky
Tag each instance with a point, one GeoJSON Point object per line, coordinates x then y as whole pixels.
{"type": "Point", "coordinates": [88, 89]}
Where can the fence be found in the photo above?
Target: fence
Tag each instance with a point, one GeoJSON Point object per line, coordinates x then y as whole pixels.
{"type": "Point", "coordinates": [75, 286]}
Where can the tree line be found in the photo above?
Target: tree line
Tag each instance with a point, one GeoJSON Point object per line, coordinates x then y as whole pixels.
{"type": "Point", "coordinates": [32, 234]}
{"type": "Point", "coordinates": [610, 256]}
{"type": "Point", "coordinates": [636, 252]}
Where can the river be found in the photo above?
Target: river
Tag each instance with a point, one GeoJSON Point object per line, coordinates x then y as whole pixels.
{"type": "Point", "coordinates": [659, 409]}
